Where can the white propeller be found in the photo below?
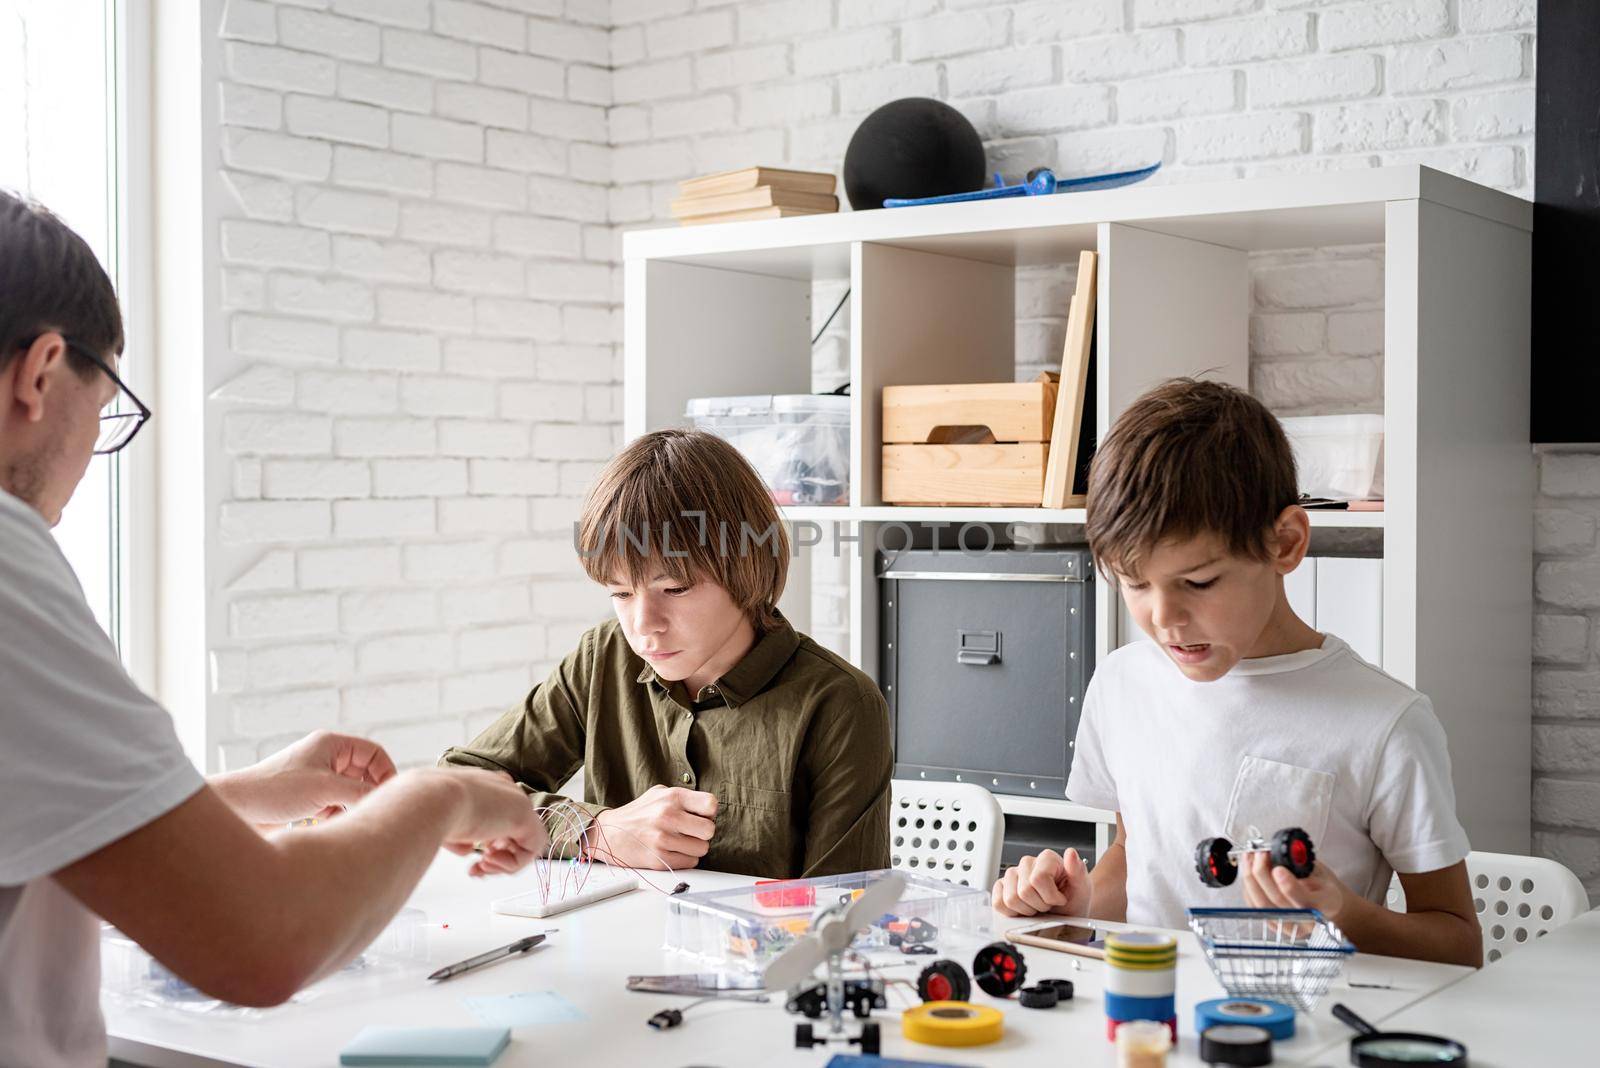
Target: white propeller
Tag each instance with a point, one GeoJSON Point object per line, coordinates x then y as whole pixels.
{"type": "Point", "coordinates": [831, 932]}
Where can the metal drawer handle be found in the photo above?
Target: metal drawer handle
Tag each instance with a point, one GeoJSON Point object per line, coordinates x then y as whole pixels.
{"type": "Point", "coordinates": [979, 648]}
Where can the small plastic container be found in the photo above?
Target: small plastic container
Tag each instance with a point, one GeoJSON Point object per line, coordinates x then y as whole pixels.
{"type": "Point", "coordinates": [798, 443]}
{"type": "Point", "coordinates": [1143, 1044]}
{"type": "Point", "coordinates": [745, 928]}
{"type": "Point", "coordinates": [1337, 456]}
{"type": "Point", "coordinates": [131, 976]}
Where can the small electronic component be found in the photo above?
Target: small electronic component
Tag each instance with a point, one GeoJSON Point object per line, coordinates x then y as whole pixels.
{"type": "Point", "coordinates": [1216, 860]}
{"type": "Point", "coordinates": [861, 996]}
{"type": "Point", "coordinates": [999, 970]}
{"type": "Point", "coordinates": [944, 980]}
{"type": "Point", "coordinates": [679, 889]}
{"type": "Point", "coordinates": [667, 1019]}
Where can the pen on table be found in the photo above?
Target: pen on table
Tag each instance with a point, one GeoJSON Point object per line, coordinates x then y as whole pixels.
{"type": "Point", "coordinates": [521, 945]}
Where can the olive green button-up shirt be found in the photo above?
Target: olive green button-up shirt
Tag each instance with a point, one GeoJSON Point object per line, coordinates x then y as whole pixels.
{"type": "Point", "coordinates": [793, 741]}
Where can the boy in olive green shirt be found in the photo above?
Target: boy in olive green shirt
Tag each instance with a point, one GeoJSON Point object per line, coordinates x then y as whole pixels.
{"type": "Point", "coordinates": [710, 732]}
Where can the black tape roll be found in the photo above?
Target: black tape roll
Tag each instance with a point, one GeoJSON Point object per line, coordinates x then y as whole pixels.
{"type": "Point", "coordinates": [1240, 1045]}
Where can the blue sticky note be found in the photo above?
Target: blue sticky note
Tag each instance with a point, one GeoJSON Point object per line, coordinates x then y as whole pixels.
{"type": "Point", "coordinates": [426, 1045]}
{"type": "Point", "coordinates": [528, 1008]}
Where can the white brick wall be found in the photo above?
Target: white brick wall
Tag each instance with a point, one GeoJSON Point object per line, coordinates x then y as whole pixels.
{"type": "Point", "coordinates": [418, 264]}
{"type": "Point", "coordinates": [413, 236]}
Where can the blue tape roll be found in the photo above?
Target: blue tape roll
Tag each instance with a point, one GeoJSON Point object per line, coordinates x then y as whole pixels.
{"type": "Point", "coordinates": [1276, 1018]}
{"type": "Point", "coordinates": [1121, 1007]}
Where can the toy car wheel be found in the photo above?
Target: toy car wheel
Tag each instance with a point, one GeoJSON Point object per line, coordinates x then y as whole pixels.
{"type": "Point", "coordinates": [871, 1039]}
{"type": "Point", "coordinates": [1291, 848]}
{"type": "Point", "coordinates": [944, 980]}
{"type": "Point", "coordinates": [1212, 863]}
{"type": "Point", "coordinates": [802, 1036]}
{"type": "Point", "coordinates": [999, 970]}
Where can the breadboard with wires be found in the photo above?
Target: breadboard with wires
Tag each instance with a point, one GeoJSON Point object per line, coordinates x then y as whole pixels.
{"type": "Point", "coordinates": [577, 869]}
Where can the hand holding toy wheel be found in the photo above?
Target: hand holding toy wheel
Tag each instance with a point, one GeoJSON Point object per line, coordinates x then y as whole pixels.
{"type": "Point", "coordinates": [1216, 861]}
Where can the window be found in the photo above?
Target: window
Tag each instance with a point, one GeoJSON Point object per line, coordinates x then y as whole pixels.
{"type": "Point", "coordinates": [59, 144]}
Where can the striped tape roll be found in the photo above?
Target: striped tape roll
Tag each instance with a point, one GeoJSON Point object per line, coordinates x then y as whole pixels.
{"type": "Point", "coordinates": [1141, 942]}
{"type": "Point", "coordinates": [1141, 984]}
{"type": "Point", "coordinates": [1137, 964]}
{"type": "Point", "coordinates": [1121, 1007]}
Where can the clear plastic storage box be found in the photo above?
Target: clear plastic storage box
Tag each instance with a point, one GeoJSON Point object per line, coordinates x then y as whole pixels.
{"type": "Point", "coordinates": [744, 928]}
{"type": "Point", "coordinates": [131, 976]}
{"type": "Point", "coordinates": [797, 442]}
{"type": "Point", "coordinates": [1337, 456]}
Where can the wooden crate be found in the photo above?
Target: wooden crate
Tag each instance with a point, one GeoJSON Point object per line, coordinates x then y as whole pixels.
{"type": "Point", "coordinates": [1001, 473]}
{"type": "Point", "coordinates": [1013, 411]}
{"type": "Point", "coordinates": [984, 443]}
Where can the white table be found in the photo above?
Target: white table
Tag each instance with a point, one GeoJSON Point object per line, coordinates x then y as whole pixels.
{"type": "Point", "coordinates": [1535, 1006]}
{"type": "Point", "coordinates": [591, 951]}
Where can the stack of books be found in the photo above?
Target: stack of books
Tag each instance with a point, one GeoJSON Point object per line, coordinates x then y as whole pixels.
{"type": "Point", "coordinates": [753, 193]}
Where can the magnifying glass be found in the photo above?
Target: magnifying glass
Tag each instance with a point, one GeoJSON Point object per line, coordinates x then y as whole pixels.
{"type": "Point", "coordinates": [1373, 1048]}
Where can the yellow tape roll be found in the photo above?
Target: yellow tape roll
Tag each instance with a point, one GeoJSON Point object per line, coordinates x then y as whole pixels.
{"type": "Point", "coordinates": [952, 1023]}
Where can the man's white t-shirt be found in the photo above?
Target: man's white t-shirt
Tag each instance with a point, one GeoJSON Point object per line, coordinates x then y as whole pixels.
{"type": "Point", "coordinates": [1319, 739]}
{"type": "Point", "coordinates": [85, 759]}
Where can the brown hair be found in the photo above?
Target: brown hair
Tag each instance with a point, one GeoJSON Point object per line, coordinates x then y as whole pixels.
{"type": "Point", "coordinates": [1188, 458]}
{"type": "Point", "coordinates": [50, 280]}
{"type": "Point", "coordinates": [687, 504]}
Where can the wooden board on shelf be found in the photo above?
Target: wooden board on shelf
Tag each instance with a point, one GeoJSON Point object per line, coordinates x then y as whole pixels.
{"type": "Point", "coordinates": [994, 474]}
{"type": "Point", "coordinates": [1070, 401]}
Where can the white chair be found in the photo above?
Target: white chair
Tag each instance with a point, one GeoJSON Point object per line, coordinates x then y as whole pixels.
{"type": "Point", "coordinates": [1517, 898]}
{"type": "Point", "coordinates": [947, 830]}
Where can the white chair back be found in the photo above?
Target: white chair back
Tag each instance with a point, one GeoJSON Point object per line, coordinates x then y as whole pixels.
{"type": "Point", "coordinates": [946, 830]}
{"type": "Point", "coordinates": [1517, 898]}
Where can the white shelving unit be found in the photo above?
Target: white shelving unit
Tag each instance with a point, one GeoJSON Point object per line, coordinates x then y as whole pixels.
{"type": "Point", "coordinates": [719, 310]}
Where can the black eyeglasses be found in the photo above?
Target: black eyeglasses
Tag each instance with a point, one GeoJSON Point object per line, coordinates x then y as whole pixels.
{"type": "Point", "coordinates": [117, 428]}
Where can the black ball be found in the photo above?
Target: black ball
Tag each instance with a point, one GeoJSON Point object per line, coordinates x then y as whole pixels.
{"type": "Point", "coordinates": [915, 147]}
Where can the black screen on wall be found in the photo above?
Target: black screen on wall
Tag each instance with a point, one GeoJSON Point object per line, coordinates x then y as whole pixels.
{"type": "Point", "coordinates": [1566, 223]}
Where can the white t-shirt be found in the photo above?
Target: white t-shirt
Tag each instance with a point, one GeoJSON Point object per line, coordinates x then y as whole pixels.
{"type": "Point", "coordinates": [1319, 739]}
{"type": "Point", "coordinates": [85, 758]}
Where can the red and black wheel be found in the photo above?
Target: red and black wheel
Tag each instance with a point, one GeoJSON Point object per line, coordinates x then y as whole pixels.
{"type": "Point", "coordinates": [1291, 848]}
{"type": "Point", "coordinates": [803, 1037]}
{"type": "Point", "coordinates": [871, 1039]}
{"type": "Point", "coordinates": [944, 980]}
{"type": "Point", "coordinates": [1212, 863]}
{"type": "Point", "coordinates": [998, 969]}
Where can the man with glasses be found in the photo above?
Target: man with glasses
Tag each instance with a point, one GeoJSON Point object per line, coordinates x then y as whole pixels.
{"type": "Point", "coordinates": [101, 815]}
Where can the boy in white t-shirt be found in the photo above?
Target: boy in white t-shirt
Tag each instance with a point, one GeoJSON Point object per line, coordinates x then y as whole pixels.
{"type": "Point", "coordinates": [1237, 714]}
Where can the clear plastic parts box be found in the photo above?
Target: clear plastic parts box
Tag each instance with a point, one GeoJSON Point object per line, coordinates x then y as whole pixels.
{"type": "Point", "coordinates": [744, 928]}
{"type": "Point", "coordinates": [797, 442]}
{"type": "Point", "coordinates": [130, 976]}
{"type": "Point", "coordinates": [1337, 456]}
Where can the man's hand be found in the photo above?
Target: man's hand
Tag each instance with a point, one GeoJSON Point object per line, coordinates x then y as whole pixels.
{"type": "Point", "coordinates": [1049, 882]}
{"type": "Point", "coordinates": [1267, 887]}
{"type": "Point", "coordinates": [320, 775]}
{"type": "Point", "coordinates": [666, 827]}
{"type": "Point", "coordinates": [496, 819]}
